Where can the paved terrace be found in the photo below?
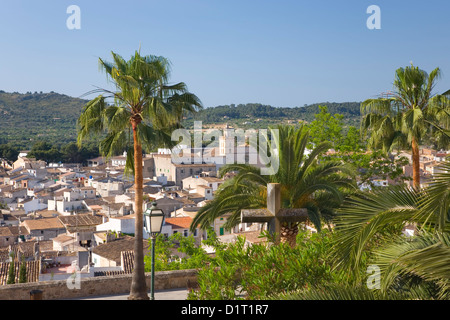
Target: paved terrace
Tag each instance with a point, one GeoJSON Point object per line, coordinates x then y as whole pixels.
{"type": "Point", "coordinates": [170, 294]}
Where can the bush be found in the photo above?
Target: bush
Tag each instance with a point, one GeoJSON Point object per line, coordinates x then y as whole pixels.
{"type": "Point", "coordinates": [166, 257]}
{"type": "Point", "coordinates": [262, 271]}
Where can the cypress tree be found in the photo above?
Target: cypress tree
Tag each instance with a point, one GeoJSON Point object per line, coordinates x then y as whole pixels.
{"type": "Point", "coordinates": [11, 271]}
{"type": "Point", "coordinates": [23, 272]}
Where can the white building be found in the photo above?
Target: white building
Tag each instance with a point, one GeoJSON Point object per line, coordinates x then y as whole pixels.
{"type": "Point", "coordinates": [195, 181]}
{"type": "Point", "coordinates": [124, 224]}
{"type": "Point", "coordinates": [34, 205]}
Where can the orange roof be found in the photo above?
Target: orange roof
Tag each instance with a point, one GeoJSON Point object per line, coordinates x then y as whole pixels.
{"type": "Point", "coordinates": [179, 222]}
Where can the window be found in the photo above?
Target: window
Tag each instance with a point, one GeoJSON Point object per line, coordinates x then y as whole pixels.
{"type": "Point", "coordinates": [186, 233]}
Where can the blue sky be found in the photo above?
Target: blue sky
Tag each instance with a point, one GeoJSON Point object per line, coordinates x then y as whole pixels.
{"type": "Point", "coordinates": [282, 53]}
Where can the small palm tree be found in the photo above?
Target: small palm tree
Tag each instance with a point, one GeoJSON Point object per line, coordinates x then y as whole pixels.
{"type": "Point", "coordinates": [408, 114]}
{"type": "Point", "coordinates": [144, 110]}
{"type": "Point", "coordinates": [369, 231]}
{"type": "Point", "coordinates": [305, 183]}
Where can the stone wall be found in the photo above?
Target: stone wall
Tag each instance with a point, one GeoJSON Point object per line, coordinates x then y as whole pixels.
{"type": "Point", "coordinates": [97, 286]}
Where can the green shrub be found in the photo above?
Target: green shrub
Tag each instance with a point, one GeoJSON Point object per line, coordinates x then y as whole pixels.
{"type": "Point", "coordinates": [166, 259]}
{"type": "Point", "coordinates": [262, 271]}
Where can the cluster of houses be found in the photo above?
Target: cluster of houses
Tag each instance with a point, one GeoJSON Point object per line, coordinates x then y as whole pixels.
{"type": "Point", "coordinates": [430, 164]}
{"type": "Point", "coordinates": [57, 218]}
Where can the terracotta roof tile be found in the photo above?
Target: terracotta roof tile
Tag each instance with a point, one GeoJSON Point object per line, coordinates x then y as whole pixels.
{"type": "Point", "coordinates": [112, 250]}
{"type": "Point", "coordinates": [179, 222]}
{"type": "Point", "coordinates": [80, 220]}
{"type": "Point", "coordinates": [33, 270]}
{"type": "Point", "coordinates": [44, 223]}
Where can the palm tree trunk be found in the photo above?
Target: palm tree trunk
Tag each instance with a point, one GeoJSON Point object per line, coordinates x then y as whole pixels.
{"type": "Point", "coordinates": [138, 286]}
{"type": "Point", "coordinates": [288, 234]}
{"type": "Point", "coordinates": [415, 164]}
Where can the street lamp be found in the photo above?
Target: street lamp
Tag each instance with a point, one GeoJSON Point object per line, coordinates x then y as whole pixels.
{"type": "Point", "coordinates": [153, 222]}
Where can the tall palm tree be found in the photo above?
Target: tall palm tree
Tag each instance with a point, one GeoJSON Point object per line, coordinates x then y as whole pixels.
{"type": "Point", "coordinates": [406, 115]}
{"type": "Point", "coordinates": [305, 183]}
{"type": "Point", "coordinates": [144, 110]}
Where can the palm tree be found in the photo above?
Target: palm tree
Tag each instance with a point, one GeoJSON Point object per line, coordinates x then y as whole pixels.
{"type": "Point", "coordinates": [405, 116]}
{"type": "Point", "coordinates": [305, 183]}
{"type": "Point", "coordinates": [369, 231]}
{"type": "Point", "coordinates": [144, 110]}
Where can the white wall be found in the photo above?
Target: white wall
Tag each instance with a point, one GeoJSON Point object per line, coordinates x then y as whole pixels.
{"type": "Point", "coordinates": [122, 225]}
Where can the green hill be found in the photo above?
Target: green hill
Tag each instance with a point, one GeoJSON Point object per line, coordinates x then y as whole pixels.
{"type": "Point", "coordinates": [26, 118]}
{"type": "Point", "coordinates": [30, 117]}
{"type": "Point", "coordinates": [257, 115]}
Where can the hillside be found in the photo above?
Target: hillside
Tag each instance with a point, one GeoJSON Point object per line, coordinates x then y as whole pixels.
{"type": "Point", "coordinates": [27, 118]}
{"type": "Point", "coordinates": [258, 115]}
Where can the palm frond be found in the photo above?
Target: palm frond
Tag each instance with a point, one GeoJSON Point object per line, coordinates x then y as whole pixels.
{"type": "Point", "coordinates": [363, 216]}
{"type": "Point", "coordinates": [427, 255]}
{"type": "Point", "coordinates": [342, 292]}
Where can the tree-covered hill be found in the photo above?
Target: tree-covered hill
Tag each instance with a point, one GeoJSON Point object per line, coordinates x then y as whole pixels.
{"type": "Point", "coordinates": [31, 117]}
{"type": "Point", "coordinates": [259, 115]}
{"type": "Point", "coordinates": [26, 118]}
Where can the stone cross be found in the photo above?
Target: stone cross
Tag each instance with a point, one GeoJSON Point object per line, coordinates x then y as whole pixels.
{"type": "Point", "coordinates": [274, 215]}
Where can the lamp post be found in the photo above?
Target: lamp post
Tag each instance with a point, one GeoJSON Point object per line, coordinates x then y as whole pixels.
{"type": "Point", "coordinates": [153, 222]}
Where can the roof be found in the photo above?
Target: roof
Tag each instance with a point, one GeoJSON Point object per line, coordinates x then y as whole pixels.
{"type": "Point", "coordinates": [68, 174]}
{"type": "Point", "coordinates": [33, 269]}
{"type": "Point", "coordinates": [212, 179]}
{"type": "Point", "coordinates": [48, 213]}
{"type": "Point", "coordinates": [44, 223]}
{"type": "Point", "coordinates": [203, 187]}
{"type": "Point", "coordinates": [179, 222]}
{"type": "Point", "coordinates": [25, 248]}
{"type": "Point", "coordinates": [5, 232]}
{"type": "Point", "coordinates": [63, 238]}
{"type": "Point", "coordinates": [126, 217]}
{"type": "Point", "coordinates": [127, 261]}
{"type": "Point", "coordinates": [12, 231]}
{"type": "Point", "coordinates": [80, 220]}
{"type": "Point", "coordinates": [162, 201]}
{"type": "Point", "coordinates": [112, 250]}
